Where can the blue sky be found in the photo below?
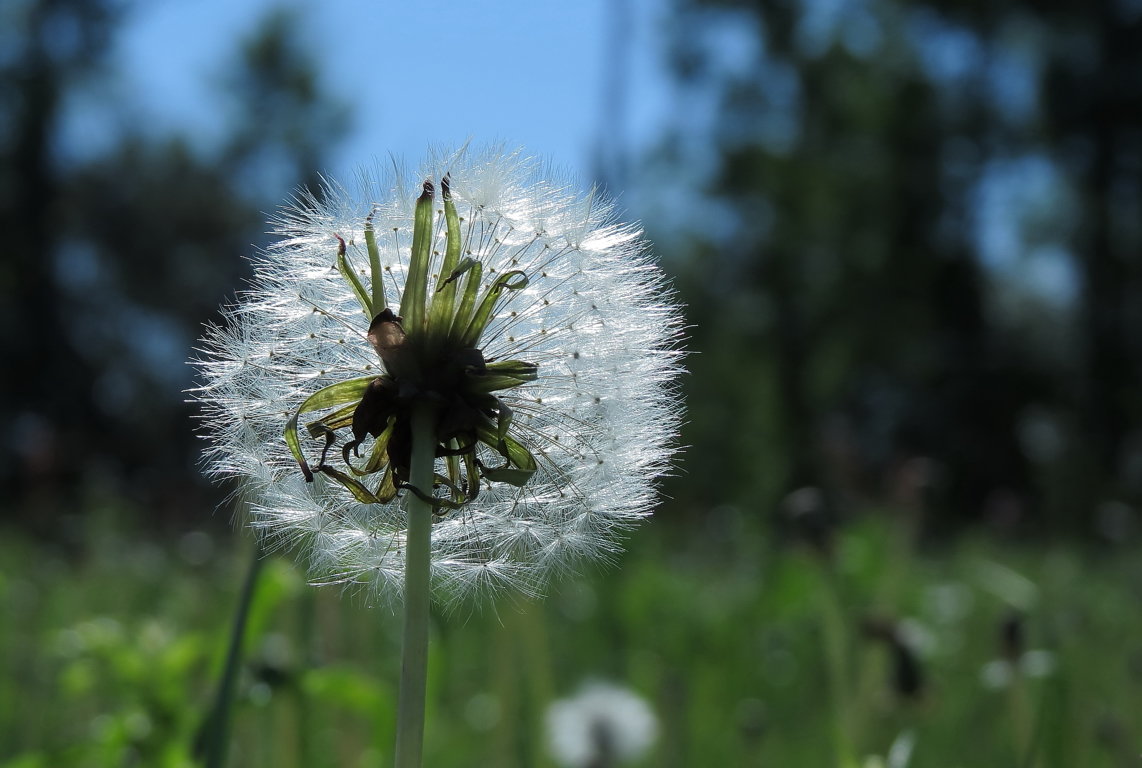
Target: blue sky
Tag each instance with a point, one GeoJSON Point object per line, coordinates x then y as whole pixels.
{"type": "Point", "coordinates": [529, 73]}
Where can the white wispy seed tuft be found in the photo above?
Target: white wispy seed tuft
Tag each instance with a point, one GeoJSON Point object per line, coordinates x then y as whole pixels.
{"type": "Point", "coordinates": [596, 316]}
{"type": "Point", "coordinates": [602, 725]}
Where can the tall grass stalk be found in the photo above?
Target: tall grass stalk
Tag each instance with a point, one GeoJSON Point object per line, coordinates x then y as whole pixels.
{"type": "Point", "coordinates": [214, 737]}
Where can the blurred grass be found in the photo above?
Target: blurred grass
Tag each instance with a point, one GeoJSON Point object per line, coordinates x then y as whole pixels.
{"type": "Point", "coordinates": [749, 654]}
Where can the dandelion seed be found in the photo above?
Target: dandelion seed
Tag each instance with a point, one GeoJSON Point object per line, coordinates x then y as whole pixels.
{"type": "Point", "coordinates": [536, 325]}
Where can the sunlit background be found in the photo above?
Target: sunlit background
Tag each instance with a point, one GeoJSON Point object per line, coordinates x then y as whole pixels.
{"type": "Point", "coordinates": [908, 235]}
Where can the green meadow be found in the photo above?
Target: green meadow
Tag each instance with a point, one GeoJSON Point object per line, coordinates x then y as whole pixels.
{"type": "Point", "coordinates": [881, 652]}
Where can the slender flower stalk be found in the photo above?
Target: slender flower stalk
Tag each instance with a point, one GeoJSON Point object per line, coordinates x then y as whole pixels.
{"type": "Point", "coordinates": [483, 342]}
{"type": "Point", "coordinates": [214, 737]}
{"type": "Point", "coordinates": [414, 646]}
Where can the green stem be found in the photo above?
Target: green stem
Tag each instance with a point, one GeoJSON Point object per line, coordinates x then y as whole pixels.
{"type": "Point", "coordinates": [307, 735]}
{"type": "Point", "coordinates": [533, 632]}
{"type": "Point", "coordinates": [414, 651]}
{"type": "Point", "coordinates": [214, 738]}
{"type": "Point", "coordinates": [836, 644]}
{"type": "Point", "coordinates": [1022, 718]}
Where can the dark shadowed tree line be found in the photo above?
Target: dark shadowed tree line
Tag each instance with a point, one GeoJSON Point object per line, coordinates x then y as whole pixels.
{"type": "Point", "coordinates": [907, 233]}
{"type": "Point", "coordinates": [864, 328]}
{"type": "Point", "coordinates": [117, 255]}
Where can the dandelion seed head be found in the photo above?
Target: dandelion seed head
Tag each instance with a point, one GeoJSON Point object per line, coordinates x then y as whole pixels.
{"type": "Point", "coordinates": [603, 724]}
{"type": "Point", "coordinates": [584, 310]}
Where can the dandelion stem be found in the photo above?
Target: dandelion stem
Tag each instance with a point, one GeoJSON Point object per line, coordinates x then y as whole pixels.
{"type": "Point", "coordinates": [414, 651]}
{"type": "Point", "coordinates": [214, 738]}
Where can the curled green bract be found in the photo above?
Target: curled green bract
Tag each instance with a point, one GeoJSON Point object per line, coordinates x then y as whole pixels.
{"type": "Point", "coordinates": [431, 354]}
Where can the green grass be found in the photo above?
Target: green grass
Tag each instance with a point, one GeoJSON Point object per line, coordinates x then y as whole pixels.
{"type": "Point", "coordinates": [749, 655]}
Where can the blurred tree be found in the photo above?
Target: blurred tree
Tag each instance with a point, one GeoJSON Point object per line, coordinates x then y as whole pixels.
{"type": "Point", "coordinates": [283, 126]}
{"type": "Point", "coordinates": [121, 256]}
{"type": "Point", "coordinates": [48, 403]}
{"type": "Point", "coordinates": [1093, 94]}
{"type": "Point", "coordinates": [850, 335]}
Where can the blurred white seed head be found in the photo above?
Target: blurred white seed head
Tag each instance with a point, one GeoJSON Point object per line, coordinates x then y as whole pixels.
{"type": "Point", "coordinates": [594, 319]}
{"type": "Point", "coordinates": [602, 725]}
{"type": "Point", "coordinates": [1000, 673]}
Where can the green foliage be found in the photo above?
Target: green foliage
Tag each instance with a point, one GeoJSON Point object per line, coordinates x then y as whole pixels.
{"type": "Point", "coordinates": [120, 250]}
{"type": "Point", "coordinates": [749, 655]}
{"type": "Point", "coordinates": [852, 303]}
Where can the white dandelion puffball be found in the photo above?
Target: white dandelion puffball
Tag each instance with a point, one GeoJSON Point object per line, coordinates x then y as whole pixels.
{"type": "Point", "coordinates": [603, 724]}
{"type": "Point", "coordinates": [534, 327]}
